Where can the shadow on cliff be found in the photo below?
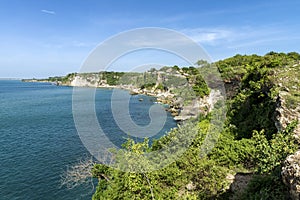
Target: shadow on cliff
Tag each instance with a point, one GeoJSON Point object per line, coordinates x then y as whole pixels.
{"type": "Point", "coordinates": [256, 186]}
{"type": "Point", "coordinates": [255, 112]}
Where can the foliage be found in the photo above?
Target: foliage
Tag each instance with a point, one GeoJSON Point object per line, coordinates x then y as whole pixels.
{"type": "Point", "coordinates": [166, 183]}
{"type": "Point", "coordinates": [175, 82]}
{"type": "Point", "coordinates": [112, 78]}
{"type": "Point", "coordinates": [266, 187]}
{"type": "Point", "coordinates": [233, 153]}
{"type": "Point", "coordinates": [160, 87]}
{"type": "Point", "coordinates": [253, 107]}
{"type": "Point", "coordinates": [175, 67]}
{"type": "Point", "coordinates": [148, 86]}
{"type": "Point", "coordinates": [269, 154]}
{"type": "Point", "coordinates": [249, 141]}
{"type": "Point", "coordinates": [200, 87]}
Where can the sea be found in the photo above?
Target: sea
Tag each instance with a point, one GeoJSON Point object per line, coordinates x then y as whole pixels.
{"type": "Point", "coordinates": [39, 141]}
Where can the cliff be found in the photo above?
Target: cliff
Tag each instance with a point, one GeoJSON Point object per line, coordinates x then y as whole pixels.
{"type": "Point", "coordinates": [275, 86]}
{"type": "Point", "coordinates": [255, 155]}
{"type": "Point", "coordinates": [248, 159]}
{"type": "Point", "coordinates": [166, 84]}
{"type": "Point", "coordinates": [287, 80]}
{"type": "Point", "coordinates": [287, 111]}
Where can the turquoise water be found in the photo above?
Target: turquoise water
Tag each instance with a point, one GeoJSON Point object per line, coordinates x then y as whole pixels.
{"type": "Point", "coordinates": [38, 139]}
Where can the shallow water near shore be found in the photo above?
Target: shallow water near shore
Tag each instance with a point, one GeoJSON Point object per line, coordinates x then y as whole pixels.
{"type": "Point", "coordinates": [39, 141]}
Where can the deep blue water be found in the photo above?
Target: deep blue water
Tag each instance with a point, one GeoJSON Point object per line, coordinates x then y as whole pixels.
{"type": "Point", "coordinates": [38, 138]}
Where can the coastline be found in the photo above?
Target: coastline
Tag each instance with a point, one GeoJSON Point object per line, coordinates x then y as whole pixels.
{"type": "Point", "coordinates": [176, 107]}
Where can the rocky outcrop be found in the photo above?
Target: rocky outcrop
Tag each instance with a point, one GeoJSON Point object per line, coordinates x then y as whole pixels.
{"type": "Point", "coordinates": [232, 86]}
{"type": "Point", "coordinates": [287, 80]}
{"type": "Point", "coordinates": [238, 183]}
{"type": "Point", "coordinates": [291, 174]}
{"type": "Point", "coordinates": [80, 81]}
{"type": "Point", "coordinates": [291, 166]}
{"type": "Point", "coordinates": [285, 115]}
{"type": "Point", "coordinates": [199, 106]}
{"type": "Point", "coordinates": [287, 111]}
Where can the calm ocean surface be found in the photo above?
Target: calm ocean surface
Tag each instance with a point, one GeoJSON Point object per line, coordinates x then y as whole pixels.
{"type": "Point", "coordinates": [38, 139]}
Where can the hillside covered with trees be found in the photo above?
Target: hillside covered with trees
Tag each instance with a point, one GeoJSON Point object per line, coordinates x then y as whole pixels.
{"type": "Point", "coordinates": [260, 131]}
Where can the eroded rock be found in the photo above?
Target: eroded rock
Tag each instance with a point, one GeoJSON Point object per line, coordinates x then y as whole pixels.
{"type": "Point", "coordinates": [291, 174]}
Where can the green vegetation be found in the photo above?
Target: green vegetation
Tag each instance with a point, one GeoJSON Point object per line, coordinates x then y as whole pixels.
{"type": "Point", "coordinates": [148, 86]}
{"type": "Point", "coordinates": [172, 79]}
{"type": "Point", "coordinates": [200, 87]}
{"type": "Point", "coordinates": [112, 78]}
{"type": "Point", "coordinates": [161, 87]}
{"type": "Point", "coordinates": [249, 141]}
{"type": "Point", "coordinates": [266, 187]}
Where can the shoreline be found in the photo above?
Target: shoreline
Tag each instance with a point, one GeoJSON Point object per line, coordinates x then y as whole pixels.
{"type": "Point", "coordinates": [178, 111]}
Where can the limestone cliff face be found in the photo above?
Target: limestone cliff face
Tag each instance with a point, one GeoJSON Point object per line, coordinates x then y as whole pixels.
{"type": "Point", "coordinates": [80, 81]}
{"type": "Point", "coordinates": [291, 166]}
{"type": "Point", "coordinates": [287, 111]}
{"type": "Point", "coordinates": [286, 114]}
{"type": "Point", "coordinates": [288, 101]}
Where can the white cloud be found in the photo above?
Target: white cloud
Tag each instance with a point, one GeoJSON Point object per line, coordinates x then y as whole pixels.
{"type": "Point", "coordinates": [209, 35]}
{"type": "Point", "coordinates": [49, 12]}
{"type": "Point", "coordinates": [238, 37]}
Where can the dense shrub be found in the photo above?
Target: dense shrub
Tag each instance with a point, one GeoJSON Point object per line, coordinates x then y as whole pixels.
{"type": "Point", "coordinates": [249, 142]}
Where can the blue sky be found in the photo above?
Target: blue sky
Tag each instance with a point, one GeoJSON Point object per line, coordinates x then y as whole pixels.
{"type": "Point", "coordinates": [53, 37]}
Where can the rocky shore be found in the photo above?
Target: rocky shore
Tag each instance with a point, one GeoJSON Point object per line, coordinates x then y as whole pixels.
{"type": "Point", "coordinates": [176, 104]}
